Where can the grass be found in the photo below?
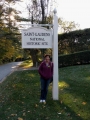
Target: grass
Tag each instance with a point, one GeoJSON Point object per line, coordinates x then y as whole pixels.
{"type": "Point", "coordinates": [20, 92]}
{"type": "Point", "coordinates": [26, 64]}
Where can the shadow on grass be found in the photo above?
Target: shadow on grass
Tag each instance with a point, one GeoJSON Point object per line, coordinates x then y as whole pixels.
{"type": "Point", "coordinates": [75, 89]}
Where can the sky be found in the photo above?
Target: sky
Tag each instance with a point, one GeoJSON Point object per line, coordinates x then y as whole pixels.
{"type": "Point", "coordinates": [75, 10]}
{"type": "Point", "coordinates": [70, 10]}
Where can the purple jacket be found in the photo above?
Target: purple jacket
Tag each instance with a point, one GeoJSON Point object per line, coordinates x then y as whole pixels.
{"type": "Point", "coordinates": [45, 71]}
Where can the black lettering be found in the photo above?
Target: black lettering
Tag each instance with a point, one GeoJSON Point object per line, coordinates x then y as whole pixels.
{"type": "Point", "coordinates": [32, 39]}
{"type": "Point", "coordinates": [44, 43]}
{"type": "Point", "coordinates": [28, 43]}
{"type": "Point", "coordinates": [28, 34]}
{"type": "Point", "coordinates": [39, 39]}
{"type": "Point", "coordinates": [36, 34]}
{"type": "Point", "coordinates": [24, 34]}
{"type": "Point", "coordinates": [37, 43]}
{"type": "Point", "coordinates": [47, 34]}
{"type": "Point", "coordinates": [42, 34]}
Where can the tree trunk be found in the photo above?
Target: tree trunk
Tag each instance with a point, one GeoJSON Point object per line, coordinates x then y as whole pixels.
{"type": "Point", "coordinates": [43, 11]}
{"type": "Point", "coordinates": [34, 56]}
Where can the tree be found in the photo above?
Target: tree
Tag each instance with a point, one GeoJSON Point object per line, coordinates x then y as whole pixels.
{"type": "Point", "coordinates": [67, 26]}
{"type": "Point", "coordinates": [37, 14]}
{"type": "Point", "coordinates": [37, 10]}
{"type": "Point", "coordinates": [74, 41]}
{"type": "Point", "coordinates": [9, 42]}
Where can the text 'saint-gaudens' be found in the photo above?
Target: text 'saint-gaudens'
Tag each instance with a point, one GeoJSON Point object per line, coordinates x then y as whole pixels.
{"type": "Point", "coordinates": [36, 34]}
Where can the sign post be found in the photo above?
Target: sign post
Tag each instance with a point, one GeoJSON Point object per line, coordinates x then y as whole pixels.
{"type": "Point", "coordinates": [55, 57]}
{"type": "Point", "coordinates": [41, 37]}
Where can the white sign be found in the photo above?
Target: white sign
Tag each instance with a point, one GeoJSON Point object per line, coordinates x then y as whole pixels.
{"type": "Point", "coordinates": [37, 37]}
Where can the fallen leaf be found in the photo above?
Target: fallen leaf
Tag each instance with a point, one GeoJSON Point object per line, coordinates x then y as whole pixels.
{"type": "Point", "coordinates": [84, 103]}
{"type": "Point", "coordinates": [28, 111]}
{"type": "Point", "coordinates": [78, 114]}
{"type": "Point", "coordinates": [24, 114]}
{"type": "Point", "coordinates": [20, 118]}
{"type": "Point", "coordinates": [36, 105]}
{"type": "Point", "coordinates": [59, 113]}
{"type": "Point", "coordinates": [13, 114]}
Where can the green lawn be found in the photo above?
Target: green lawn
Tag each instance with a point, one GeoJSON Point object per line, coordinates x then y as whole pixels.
{"type": "Point", "coordinates": [19, 96]}
{"type": "Point", "coordinates": [26, 64]}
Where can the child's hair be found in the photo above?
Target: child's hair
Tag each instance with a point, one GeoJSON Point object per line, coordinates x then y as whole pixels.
{"type": "Point", "coordinates": [47, 55]}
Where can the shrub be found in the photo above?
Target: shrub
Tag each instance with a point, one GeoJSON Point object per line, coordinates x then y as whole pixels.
{"type": "Point", "coordinates": [82, 57]}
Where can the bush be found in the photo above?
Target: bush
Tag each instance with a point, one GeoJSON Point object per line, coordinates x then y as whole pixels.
{"type": "Point", "coordinates": [19, 59]}
{"type": "Point", "coordinates": [82, 57]}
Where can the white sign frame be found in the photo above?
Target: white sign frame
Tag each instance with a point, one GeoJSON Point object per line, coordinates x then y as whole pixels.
{"type": "Point", "coordinates": [37, 37]}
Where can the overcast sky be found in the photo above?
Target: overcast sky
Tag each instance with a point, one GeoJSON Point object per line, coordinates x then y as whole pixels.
{"type": "Point", "coordinates": [70, 10]}
{"type": "Point", "coordinates": [75, 10]}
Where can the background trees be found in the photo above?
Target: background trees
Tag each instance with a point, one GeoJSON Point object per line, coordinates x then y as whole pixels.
{"type": "Point", "coordinates": [70, 39]}
{"type": "Point", "coordinates": [9, 41]}
{"type": "Point", "coordinates": [74, 41]}
{"type": "Point", "coordinates": [37, 10]}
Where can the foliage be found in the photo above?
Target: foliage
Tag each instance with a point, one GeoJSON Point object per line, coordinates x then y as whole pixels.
{"type": "Point", "coordinates": [67, 26]}
{"type": "Point", "coordinates": [74, 41]}
{"type": "Point", "coordinates": [78, 58]}
{"type": "Point", "coordinates": [20, 92]}
{"type": "Point", "coordinates": [10, 38]}
{"type": "Point", "coordinates": [9, 41]}
{"type": "Point", "coordinates": [26, 64]}
{"type": "Point", "coordinates": [37, 10]}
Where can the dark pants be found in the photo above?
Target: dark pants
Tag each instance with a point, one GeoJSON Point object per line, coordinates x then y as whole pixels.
{"type": "Point", "coordinates": [44, 88]}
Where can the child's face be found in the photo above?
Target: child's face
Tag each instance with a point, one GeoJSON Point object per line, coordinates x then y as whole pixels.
{"type": "Point", "coordinates": [47, 59]}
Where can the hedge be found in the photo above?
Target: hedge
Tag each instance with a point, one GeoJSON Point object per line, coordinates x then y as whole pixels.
{"type": "Point", "coordinates": [82, 57]}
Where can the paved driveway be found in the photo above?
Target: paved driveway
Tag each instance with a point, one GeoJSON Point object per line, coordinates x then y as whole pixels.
{"type": "Point", "coordinates": [6, 69]}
